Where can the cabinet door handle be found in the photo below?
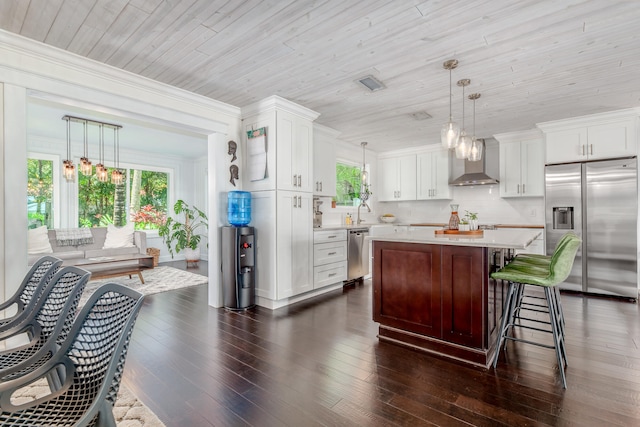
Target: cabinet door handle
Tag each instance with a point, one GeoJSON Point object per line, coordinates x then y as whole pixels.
{"type": "Point", "coordinates": [518, 189]}
{"type": "Point", "coordinates": [523, 189]}
{"type": "Point", "coordinates": [435, 192]}
{"type": "Point", "coordinates": [591, 149]}
{"type": "Point", "coordinates": [317, 186]}
{"type": "Point", "coordinates": [295, 180]}
{"type": "Point", "coordinates": [299, 180]}
{"type": "Point", "coordinates": [320, 185]}
{"type": "Point", "coordinates": [299, 201]}
{"type": "Point", "coordinates": [584, 146]}
{"type": "Point", "coordinates": [331, 253]}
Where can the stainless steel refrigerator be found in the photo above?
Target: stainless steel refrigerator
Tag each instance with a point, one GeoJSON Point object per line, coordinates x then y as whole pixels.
{"type": "Point", "coordinates": [599, 202]}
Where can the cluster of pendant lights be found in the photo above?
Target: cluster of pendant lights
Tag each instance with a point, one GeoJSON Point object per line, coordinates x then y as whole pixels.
{"type": "Point", "coordinates": [454, 137]}
{"type": "Point", "coordinates": [85, 166]}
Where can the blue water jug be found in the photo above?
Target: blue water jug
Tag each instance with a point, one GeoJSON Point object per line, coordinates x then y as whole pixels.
{"type": "Point", "coordinates": [239, 208]}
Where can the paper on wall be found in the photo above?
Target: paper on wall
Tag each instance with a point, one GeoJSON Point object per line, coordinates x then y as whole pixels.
{"type": "Point", "coordinates": [257, 148]}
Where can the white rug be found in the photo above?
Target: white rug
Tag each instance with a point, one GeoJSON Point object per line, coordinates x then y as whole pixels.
{"type": "Point", "coordinates": [128, 410]}
{"type": "Point", "coordinates": [159, 279]}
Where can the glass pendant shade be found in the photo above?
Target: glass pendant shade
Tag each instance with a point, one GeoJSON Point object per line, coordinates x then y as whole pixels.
{"type": "Point", "coordinates": [475, 154]}
{"type": "Point", "coordinates": [464, 146]}
{"type": "Point", "coordinates": [85, 166]}
{"type": "Point", "coordinates": [449, 135]}
{"type": "Point", "coordinates": [117, 177]}
{"type": "Point", "coordinates": [102, 173]}
{"type": "Point", "coordinates": [68, 170]}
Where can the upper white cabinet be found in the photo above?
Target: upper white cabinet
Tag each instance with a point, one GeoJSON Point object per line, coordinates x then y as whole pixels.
{"type": "Point", "coordinates": [433, 175]}
{"type": "Point", "coordinates": [294, 151]}
{"type": "Point", "coordinates": [521, 164]}
{"type": "Point", "coordinates": [289, 146]}
{"type": "Point", "coordinates": [595, 137]}
{"type": "Point", "coordinates": [324, 161]}
{"type": "Point", "coordinates": [397, 178]}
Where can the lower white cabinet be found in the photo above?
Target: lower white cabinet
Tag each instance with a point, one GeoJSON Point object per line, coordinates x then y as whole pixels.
{"type": "Point", "coordinates": [284, 243]}
{"type": "Point", "coordinates": [329, 257]}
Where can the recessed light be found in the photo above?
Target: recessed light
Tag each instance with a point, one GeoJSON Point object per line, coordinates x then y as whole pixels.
{"type": "Point", "coordinates": [371, 83]}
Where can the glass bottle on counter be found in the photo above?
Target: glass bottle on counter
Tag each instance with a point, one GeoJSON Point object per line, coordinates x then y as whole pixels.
{"type": "Point", "coordinates": [454, 219]}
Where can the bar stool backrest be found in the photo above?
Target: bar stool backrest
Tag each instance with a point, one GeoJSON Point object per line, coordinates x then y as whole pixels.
{"type": "Point", "coordinates": [563, 257]}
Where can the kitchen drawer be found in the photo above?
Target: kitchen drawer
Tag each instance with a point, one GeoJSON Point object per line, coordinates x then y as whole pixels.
{"type": "Point", "coordinates": [330, 273]}
{"type": "Point", "coordinates": [329, 236]}
{"type": "Point", "coordinates": [326, 253]}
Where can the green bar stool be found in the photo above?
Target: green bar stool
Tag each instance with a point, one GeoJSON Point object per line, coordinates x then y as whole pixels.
{"type": "Point", "coordinates": [519, 275]}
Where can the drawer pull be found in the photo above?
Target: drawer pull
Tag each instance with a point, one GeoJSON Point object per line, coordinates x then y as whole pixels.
{"type": "Point", "coordinates": [331, 253]}
{"type": "Point", "coordinates": [332, 237]}
{"type": "Point", "coordinates": [332, 274]}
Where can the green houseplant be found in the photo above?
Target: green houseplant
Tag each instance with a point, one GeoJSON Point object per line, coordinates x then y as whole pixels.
{"type": "Point", "coordinates": [183, 235]}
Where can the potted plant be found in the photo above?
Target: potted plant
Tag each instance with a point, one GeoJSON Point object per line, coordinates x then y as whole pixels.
{"type": "Point", "coordinates": [472, 219]}
{"type": "Point", "coordinates": [183, 235]}
{"type": "Point", "coordinates": [463, 225]}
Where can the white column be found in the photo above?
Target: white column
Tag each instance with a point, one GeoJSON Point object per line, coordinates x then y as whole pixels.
{"type": "Point", "coordinates": [14, 188]}
{"type": "Point", "coordinates": [216, 143]}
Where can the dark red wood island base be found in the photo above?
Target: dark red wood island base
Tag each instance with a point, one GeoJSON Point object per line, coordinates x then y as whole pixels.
{"type": "Point", "coordinates": [439, 297]}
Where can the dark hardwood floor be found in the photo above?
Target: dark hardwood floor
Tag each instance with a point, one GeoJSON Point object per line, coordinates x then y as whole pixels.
{"type": "Point", "coordinates": [319, 363]}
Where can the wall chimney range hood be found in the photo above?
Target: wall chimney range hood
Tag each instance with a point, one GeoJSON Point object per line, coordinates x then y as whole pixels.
{"type": "Point", "coordinates": [474, 174]}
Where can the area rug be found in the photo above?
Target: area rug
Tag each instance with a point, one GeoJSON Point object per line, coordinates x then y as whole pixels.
{"type": "Point", "coordinates": [159, 279]}
{"type": "Point", "coordinates": [128, 411]}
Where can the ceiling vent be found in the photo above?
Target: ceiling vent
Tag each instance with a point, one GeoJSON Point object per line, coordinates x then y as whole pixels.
{"type": "Point", "coordinates": [371, 83]}
{"type": "Point", "coordinates": [420, 115]}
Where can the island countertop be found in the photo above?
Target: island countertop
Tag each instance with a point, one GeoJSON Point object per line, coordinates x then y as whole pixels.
{"type": "Point", "coordinates": [502, 239]}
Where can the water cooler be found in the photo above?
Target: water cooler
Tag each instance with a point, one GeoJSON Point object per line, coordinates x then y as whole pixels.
{"type": "Point", "coordinates": [238, 254]}
{"type": "Point", "coordinates": [238, 267]}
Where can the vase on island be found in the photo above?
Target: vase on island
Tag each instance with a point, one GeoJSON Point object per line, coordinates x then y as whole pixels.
{"type": "Point", "coordinates": [454, 219]}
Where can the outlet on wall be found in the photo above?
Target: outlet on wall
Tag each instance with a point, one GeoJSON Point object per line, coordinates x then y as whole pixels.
{"type": "Point", "coordinates": [533, 212]}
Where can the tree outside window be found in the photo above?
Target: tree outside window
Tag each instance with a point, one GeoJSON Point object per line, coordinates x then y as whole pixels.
{"type": "Point", "coordinates": [40, 193]}
{"type": "Point", "coordinates": [348, 182]}
{"type": "Point", "coordinates": [141, 199]}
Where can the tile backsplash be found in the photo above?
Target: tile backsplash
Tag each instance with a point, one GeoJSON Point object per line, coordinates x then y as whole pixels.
{"type": "Point", "coordinates": [484, 200]}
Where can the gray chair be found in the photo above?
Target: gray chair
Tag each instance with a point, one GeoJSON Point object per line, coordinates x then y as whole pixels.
{"type": "Point", "coordinates": [46, 327]}
{"type": "Point", "coordinates": [30, 289]}
{"type": "Point", "coordinates": [91, 361]}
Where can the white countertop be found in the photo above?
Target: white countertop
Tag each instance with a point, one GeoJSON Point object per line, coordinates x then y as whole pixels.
{"type": "Point", "coordinates": [504, 238]}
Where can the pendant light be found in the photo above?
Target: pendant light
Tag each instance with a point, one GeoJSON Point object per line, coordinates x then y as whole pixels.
{"type": "Point", "coordinates": [85, 163]}
{"type": "Point", "coordinates": [477, 146]}
{"type": "Point", "coordinates": [464, 141]}
{"type": "Point", "coordinates": [364, 177]}
{"type": "Point", "coordinates": [68, 169]}
{"type": "Point", "coordinates": [117, 177]}
{"type": "Point", "coordinates": [450, 131]}
{"type": "Point", "coordinates": [101, 171]}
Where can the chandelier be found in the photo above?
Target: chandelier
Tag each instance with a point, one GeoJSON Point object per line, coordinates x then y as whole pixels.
{"type": "Point", "coordinates": [85, 165]}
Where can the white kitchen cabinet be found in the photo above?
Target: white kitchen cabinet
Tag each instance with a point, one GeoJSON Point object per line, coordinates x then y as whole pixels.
{"type": "Point", "coordinates": [289, 146]}
{"type": "Point", "coordinates": [522, 169]}
{"type": "Point", "coordinates": [294, 152]}
{"type": "Point", "coordinates": [294, 243]}
{"type": "Point", "coordinates": [324, 164]}
{"type": "Point", "coordinates": [595, 137]}
{"type": "Point", "coordinates": [433, 175]}
{"type": "Point", "coordinates": [397, 178]}
{"type": "Point", "coordinates": [521, 164]}
{"type": "Point", "coordinates": [329, 257]}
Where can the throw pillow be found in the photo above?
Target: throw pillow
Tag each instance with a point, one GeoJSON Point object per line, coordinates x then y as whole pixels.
{"type": "Point", "coordinates": [119, 237]}
{"type": "Point", "coordinates": [38, 241]}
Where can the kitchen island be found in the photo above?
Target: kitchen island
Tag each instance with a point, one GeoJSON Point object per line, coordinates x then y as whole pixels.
{"type": "Point", "coordinates": [433, 291]}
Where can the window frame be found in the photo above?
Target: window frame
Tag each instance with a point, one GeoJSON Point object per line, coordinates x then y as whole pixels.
{"type": "Point", "coordinates": [355, 164]}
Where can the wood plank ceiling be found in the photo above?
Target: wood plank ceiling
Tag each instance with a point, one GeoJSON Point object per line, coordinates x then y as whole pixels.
{"type": "Point", "coordinates": [531, 60]}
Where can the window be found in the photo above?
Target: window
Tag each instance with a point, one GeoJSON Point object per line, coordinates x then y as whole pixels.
{"type": "Point", "coordinates": [348, 180]}
{"type": "Point", "coordinates": [143, 196]}
{"type": "Point", "coordinates": [40, 188]}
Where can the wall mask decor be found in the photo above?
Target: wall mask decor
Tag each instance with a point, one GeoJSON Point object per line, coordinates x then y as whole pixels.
{"type": "Point", "coordinates": [233, 171]}
{"type": "Point", "coordinates": [232, 150]}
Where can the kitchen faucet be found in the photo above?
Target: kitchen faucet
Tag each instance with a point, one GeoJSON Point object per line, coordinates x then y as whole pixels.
{"type": "Point", "coordinates": [359, 206]}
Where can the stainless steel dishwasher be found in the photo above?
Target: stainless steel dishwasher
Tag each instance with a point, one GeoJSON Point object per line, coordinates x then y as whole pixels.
{"type": "Point", "coordinates": [357, 254]}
